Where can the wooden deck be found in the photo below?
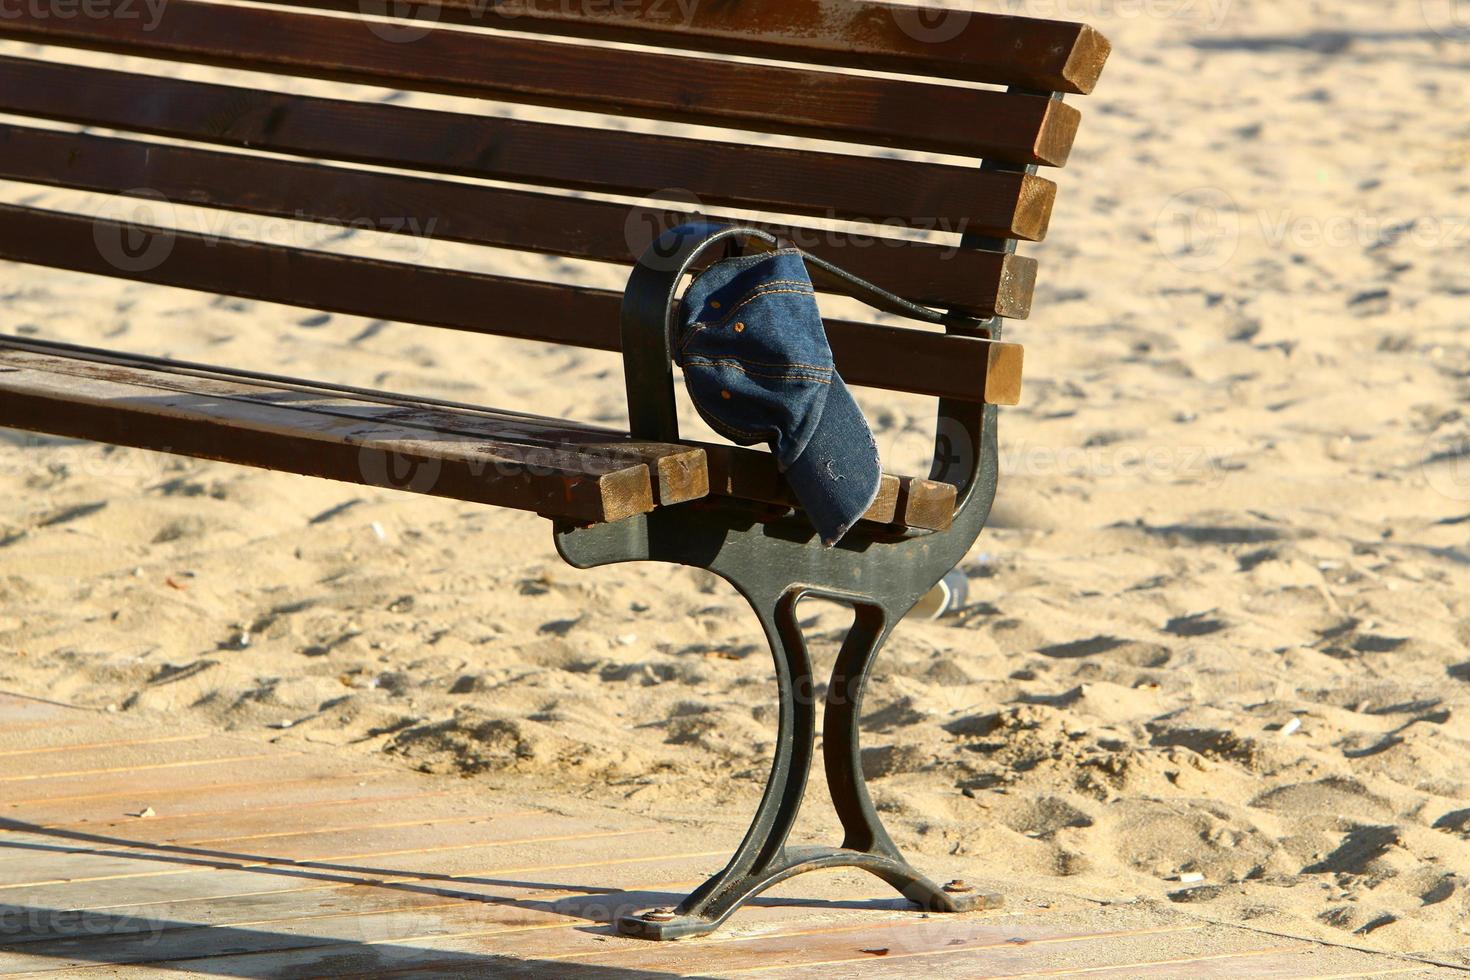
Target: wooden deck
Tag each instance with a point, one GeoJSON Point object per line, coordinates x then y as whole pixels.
{"type": "Point", "coordinates": [261, 861]}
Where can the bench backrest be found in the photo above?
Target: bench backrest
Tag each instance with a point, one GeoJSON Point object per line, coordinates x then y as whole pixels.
{"type": "Point", "coordinates": [329, 159]}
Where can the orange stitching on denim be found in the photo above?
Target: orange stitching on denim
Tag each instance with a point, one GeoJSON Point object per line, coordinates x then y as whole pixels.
{"type": "Point", "coordinates": [736, 365]}
{"type": "Point", "coordinates": [817, 368]}
{"type": "Point", "coordinates": [760, 293]}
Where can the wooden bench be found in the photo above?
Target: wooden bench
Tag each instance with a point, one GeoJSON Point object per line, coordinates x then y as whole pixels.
{"type": "Point", "coordinates": [988, 88]}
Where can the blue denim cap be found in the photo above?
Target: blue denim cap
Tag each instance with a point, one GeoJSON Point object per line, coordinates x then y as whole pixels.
{"type": "Point", "coordinates": [758, 366]}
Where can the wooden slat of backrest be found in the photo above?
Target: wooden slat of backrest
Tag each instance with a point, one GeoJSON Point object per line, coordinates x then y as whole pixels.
{"type": "Point", "coordinates": [117, 405]}
{"type": "Point", "coordinates": [983, 47]}
{"type": "Point", "coordinates": [899, 359]}
{"type": "Point", "coordinates": [761, 178]}
{"type": "Point", "coordinates": [790, 101]}
{"type": "Point", "coordinates": [976, 283]}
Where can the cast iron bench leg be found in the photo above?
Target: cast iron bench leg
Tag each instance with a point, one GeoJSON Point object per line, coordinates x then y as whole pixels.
{"type": "Point", "coordinates": [764, 859]}
{"type": "Point", "coordinates": [775, 563]}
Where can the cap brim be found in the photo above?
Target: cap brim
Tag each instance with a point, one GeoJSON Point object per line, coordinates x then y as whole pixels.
{"type": "Point", "coordinates": [837, 475]}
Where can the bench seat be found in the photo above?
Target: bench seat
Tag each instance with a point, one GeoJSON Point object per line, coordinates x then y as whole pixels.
{"type": "Point", "coordinates": [553, 467]}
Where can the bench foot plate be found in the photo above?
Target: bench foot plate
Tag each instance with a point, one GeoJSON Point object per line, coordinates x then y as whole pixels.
{"type": "Point", "coordinates": [706, 909]}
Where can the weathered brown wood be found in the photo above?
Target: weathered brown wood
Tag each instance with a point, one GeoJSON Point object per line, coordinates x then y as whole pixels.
{"type": "Point", "coordinates": [34, 766]}
{"type": "Point", "coordinates": [920, 361]}
{"type": "Point", "coordinates": [980, 47]}
{"type": "Point", "coordinates": [124, 792]}
{"type": "Point", "coordinates": [678, 473]}
{"type": "Point", "coordinates": [973, 282]}
{"type": "Point", "coordinates": [745, 474]}
{"type": "Point", "coordinates": [23, 714]}
{"type": "Point", "coordinates": [9, 756]}
{"type": "Point", "coordinates": [872, 111]}
{"type": "Point", "coordinates": [584, 866]}
{"type": "Point", "coordinates": [764, 178]}
{"type": "Point", "coordinates": [117, 405]}
{"type": "Point", "coordinates": [355, 850]}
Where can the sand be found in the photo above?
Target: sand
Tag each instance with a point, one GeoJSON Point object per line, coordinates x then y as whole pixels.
{"type": "Point", "coordinates": [1218, 625]}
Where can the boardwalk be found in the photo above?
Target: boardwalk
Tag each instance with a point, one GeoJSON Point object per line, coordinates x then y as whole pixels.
{"type": "Point", "coordinates": [129, 851]}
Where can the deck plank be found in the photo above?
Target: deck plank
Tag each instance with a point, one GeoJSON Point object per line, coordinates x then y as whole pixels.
{"type": "Point", "coordinates": [264, 860]}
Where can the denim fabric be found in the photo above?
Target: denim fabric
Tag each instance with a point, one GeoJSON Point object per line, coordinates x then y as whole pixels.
{"type": "Point", "coordinates": [759, 370]}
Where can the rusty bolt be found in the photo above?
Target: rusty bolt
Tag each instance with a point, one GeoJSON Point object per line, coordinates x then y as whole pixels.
{"type": "Point", "coordinates": [958, 887]}
{"type": "Point", "coordinates": [660, 915]}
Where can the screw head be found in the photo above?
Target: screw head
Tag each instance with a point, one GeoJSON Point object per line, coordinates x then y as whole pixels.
{"type": "Point", "coordinates": [958, 887]}
{"type": "Point", "coordinates": [660, 915]}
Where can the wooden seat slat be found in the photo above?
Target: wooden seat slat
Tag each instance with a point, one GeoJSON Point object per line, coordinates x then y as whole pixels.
{"type": "Point", "coordinates": [689, 471]}
{"type": "Point", "coordinates": [959, 44]}
{"type": "Point", "coordinates": [920, 361]}
{"type": "Point", "coordinates": [976, 283]}
{"type": "Point", "coordinates": [121, 405]}
{"type": "Point", "coordinates": [762, 178]}
{"type": "Point", "coordinates": [873, 111]}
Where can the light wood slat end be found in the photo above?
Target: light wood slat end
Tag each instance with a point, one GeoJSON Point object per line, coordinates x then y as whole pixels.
{"type": "Point", "coordinates": [1003, 374]}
